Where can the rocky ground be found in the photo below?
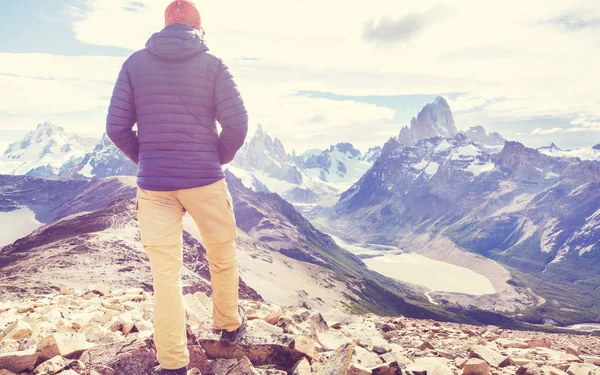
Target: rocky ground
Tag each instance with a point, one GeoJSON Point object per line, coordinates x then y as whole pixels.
{"type": "Point", "coordinates": [104, 332]}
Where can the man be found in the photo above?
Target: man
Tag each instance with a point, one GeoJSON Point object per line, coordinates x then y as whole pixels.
{"type": "Point", "coordinates": [175, 90]}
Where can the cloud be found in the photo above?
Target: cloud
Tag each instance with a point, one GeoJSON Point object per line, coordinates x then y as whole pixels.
{"type": "Point", "coordinates": [586, 121]}
{"type": "Point", "coordinates": [467, 102]}
{"type": "Point", "coordinates": [546, 131]}
{"type": "Point", "coordinates": [401, 29]}
{"type": "Point", "coordinates": [574, 22]}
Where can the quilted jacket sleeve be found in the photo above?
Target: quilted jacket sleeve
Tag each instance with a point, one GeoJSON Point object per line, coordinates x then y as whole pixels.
{"type": "Point", "coordinates": [231, 114]}
{"type": "Point", "coordinates": [121, 117]}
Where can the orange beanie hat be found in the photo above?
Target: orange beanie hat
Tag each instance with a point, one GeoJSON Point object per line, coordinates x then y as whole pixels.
{"type": "Point", "coordinates": [184, 12]}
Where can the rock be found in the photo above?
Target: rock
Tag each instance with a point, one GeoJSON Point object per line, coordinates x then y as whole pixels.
{"type": "Point", "coordinates": [574, 349]}
{"type": "Point", "coordinates": [381, 349]}
{"type": "Point", "coordinates": [52, 366]}
{"type": "Point", "coordinates": [243, 367]}
{"type": "Point", "coordinates": [470, 332]}
{"type": "Point", "coordinates": [64, 344]}
{"type": "Point", "coordinates": [396, 356]}
{"type": "Point", "coordinates": [112, 306]}
{"type": "Point", "coordinates": [490, 356]}
{"type": "Point", "coordinates": [554, 371]}
{"type": "Point", "coordinates": [136, 356]}
{"type": "Point", "coordinates": [68, 372]}
{"type": "Point", "coordinates": [521, 361]}
{"type": "Point", "coordinates": [339, 362]}
{"type": "Point", "coordinates": [433, 366]}
{"type": "Point", "coordinates": [424, 345]}
{"type": "Point", "coordinates": [358, 370]}
{"type": "Point", "coordinates": [262, 343]}
{"type": "Point", "coordinates": [221, 366]}
{"type": "Point", "coordinates": [538, 343]}
{"type": "Point", "coordinates": [194, 371]}
{"type": "Point", "coordinates": [99, 289]}
{"type": "Point", "coordinates": [306, 346]}
{"type": "Point", "coordinates": [505, 343]}
{"type": "Point", "coordinates": [301, 368]}
{"type": "Point", "coordinates": [392, 368]}
{"type": "Point", "coordinates": [273, 318]}
{"type": "Point", "coordinates": [9, 345]}
{"type": "Point", "coordinates": [6, 372]}
{"type": "Point", "coordinates": [18, 361]}
{"type": "Point", "coordinates": [577, 369]}
{"type": "Point", "coordinates": [445, 354]}
{"type": "Point", "coordinates": [66, 291]}
{"type": "Point", "coordinates": [17, 330]}
{"type": "Point", "coordinates": [476, 366]}
{"type": "Point", "coordinates": [460, 362]}
{"type": "Point", "coordinates": [365, 358]}
{"type": "Point", "coordinates": [529, 369]}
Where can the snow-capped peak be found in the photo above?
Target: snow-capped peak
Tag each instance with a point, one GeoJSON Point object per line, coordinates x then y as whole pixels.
{"type": "Point", "coordinates": [44, 150]}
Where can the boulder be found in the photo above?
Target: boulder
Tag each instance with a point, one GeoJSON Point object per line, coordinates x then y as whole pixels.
{"type": "Point", "coordinates": [52, 366]}
{"type": "Point", "coordinates": [262, 343]}
{"type": "Point", "coordinates": [243, 367]}
{"type": "Point", "coordinates": [396, 356]}
{"type": "Point", "coordinates": [126, 357]}
{"type": "Point", "coordinates": [476, 366]}
{"type": "Point", "coordinates": [578, 369]}
{"type": "Point", "coordinates": [490, 356]}
{"type": "Point", "coordinates": [392, 368]}
{"type": "Point", "coordinates": [574, 349]}
{"type": "Point", "coordinates": [301, 368]}
{"type": "Point", "coordinates": [17, 330]}
{"type": "Point", "coordinates": [67, 345]}
{"type": "Point", "coordinates": [529, 369]}
{"type": "Point", "coordinates": [273, 318]}
{"type": "Point", "coordinates": [365, 358]}
{"type": "Point", "coordinates": [18, 361]}
{"type": "Point", "coordinates": [339, 362]}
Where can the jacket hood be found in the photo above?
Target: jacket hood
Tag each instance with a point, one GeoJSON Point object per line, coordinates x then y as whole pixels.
{"type": "Point", "coordinates": [176, 42]}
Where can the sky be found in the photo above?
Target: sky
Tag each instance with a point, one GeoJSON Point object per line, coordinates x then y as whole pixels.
{"type": "Point", "coordinates": [319, 72]}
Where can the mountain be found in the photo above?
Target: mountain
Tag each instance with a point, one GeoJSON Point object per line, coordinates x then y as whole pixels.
{"type": "Point", "coordinates": [105, 160]}
{"type": "Point", "coordinates": [588, 153]}
{"type": "Point", "coordinates": [532, 212]}
{"type": "Point", "coordinates": [341, 165]}
{"type": "Point", "coordinates": [314, 177]}
{"type": "Point", "coordinates": [434, 120]}
{"type": "Point", "coordinates": [44, 151]}
{"type": "Point", "coordinates": [478, 135]}
{"type": "Point", "coordinates": [89, 231]}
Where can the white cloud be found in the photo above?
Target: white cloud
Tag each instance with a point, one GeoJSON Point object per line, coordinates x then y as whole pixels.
{"type": "Point", "coordinates": [546, 131]}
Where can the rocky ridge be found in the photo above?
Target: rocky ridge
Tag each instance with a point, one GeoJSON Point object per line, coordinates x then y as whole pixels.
{"type": "Point", "coordinates": [99, 331]}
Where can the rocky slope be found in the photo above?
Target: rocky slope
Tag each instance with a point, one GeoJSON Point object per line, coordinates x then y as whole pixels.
{"type": "Point", "coordinates": [44, 151]}
{"type": "Point", "coordinates": [533, 212]}
{"type": "Point", "coordinates": [478, 135]}
{"type": "Point", "coordinates": [101, 330]}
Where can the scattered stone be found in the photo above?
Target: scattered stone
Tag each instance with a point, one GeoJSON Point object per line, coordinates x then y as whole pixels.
{"type": "Point", "coordinates": [125, 357]}
{"type": "Point", "coordinates": [470, 332]}
{"type": "Point", "coordinates": [64, 344]}
{"type": "Point", "coordinates": [99, 289]}
{"type": "Point", "coordinates": [445, 354]}
{"type": "Point", "coordinates": [475, 366]}
{"type": "Point", "coordinates": [339, 362]}
{"type": "Point", "coordinates": [433, 366]}
{"type": "Point", "coordinates": [490, 356]}
{"type": "Point", "coordinates": [424, 345]}
{"type": "Point", "coordinates": [392, 368]}
{"type": "Point", "coordinates": [9, 345]}
{"type": "Point", "coordinates": [194, 371]}
{"type": "Point", "coordinates": [506, 343]}
{"type": "Point", "coordinates": [529, 369]}
{"type": "Point", "coordinates": [365, 358]}
{"type": "Point", "coordinates": [273, 318]}
{"type": "Point", "coordinates": [17, 330]}
{"type": "Point", "coordinates": [52, 366]}
{"type": "Point", "coordinates": [554, 371]}
{"type": "Point", "coordinates": [69, 372]}
{"type": "Point", "coordinates": [66, 291]}
{"type": "Point", "coordinates": [380, 349]}
{"type": "Point", "coordinates": [301, 368]}
{"type": "Point", "coordinates": [538, 343]}
{"type": "Point", "coordinates": [395, 356]}
{"type": "Point", "coordinates": [18, 361]}
{"type": "Point", "coordinates": [577, 369]}
{"type": "Point", "coordinates": [574, 349]}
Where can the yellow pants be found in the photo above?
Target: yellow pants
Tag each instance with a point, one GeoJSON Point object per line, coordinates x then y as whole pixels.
{"type": "Point", "coordinates": [161, 224]}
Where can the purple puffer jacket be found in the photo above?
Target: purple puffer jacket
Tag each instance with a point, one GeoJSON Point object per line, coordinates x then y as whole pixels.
{"type": "Point", "coordinates": [175, 90]}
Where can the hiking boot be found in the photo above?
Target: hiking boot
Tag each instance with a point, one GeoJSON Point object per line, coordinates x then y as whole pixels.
{"type": "Point", "coordinates": [161, 371]}
{"type": "Point", "coordinates": [231, 338]}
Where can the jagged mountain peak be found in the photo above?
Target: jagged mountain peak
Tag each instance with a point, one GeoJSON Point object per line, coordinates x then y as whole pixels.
{"type": "Point", "coordinates": [551, 147]}
{"type": "Point", "coordinates": [434, 120]}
